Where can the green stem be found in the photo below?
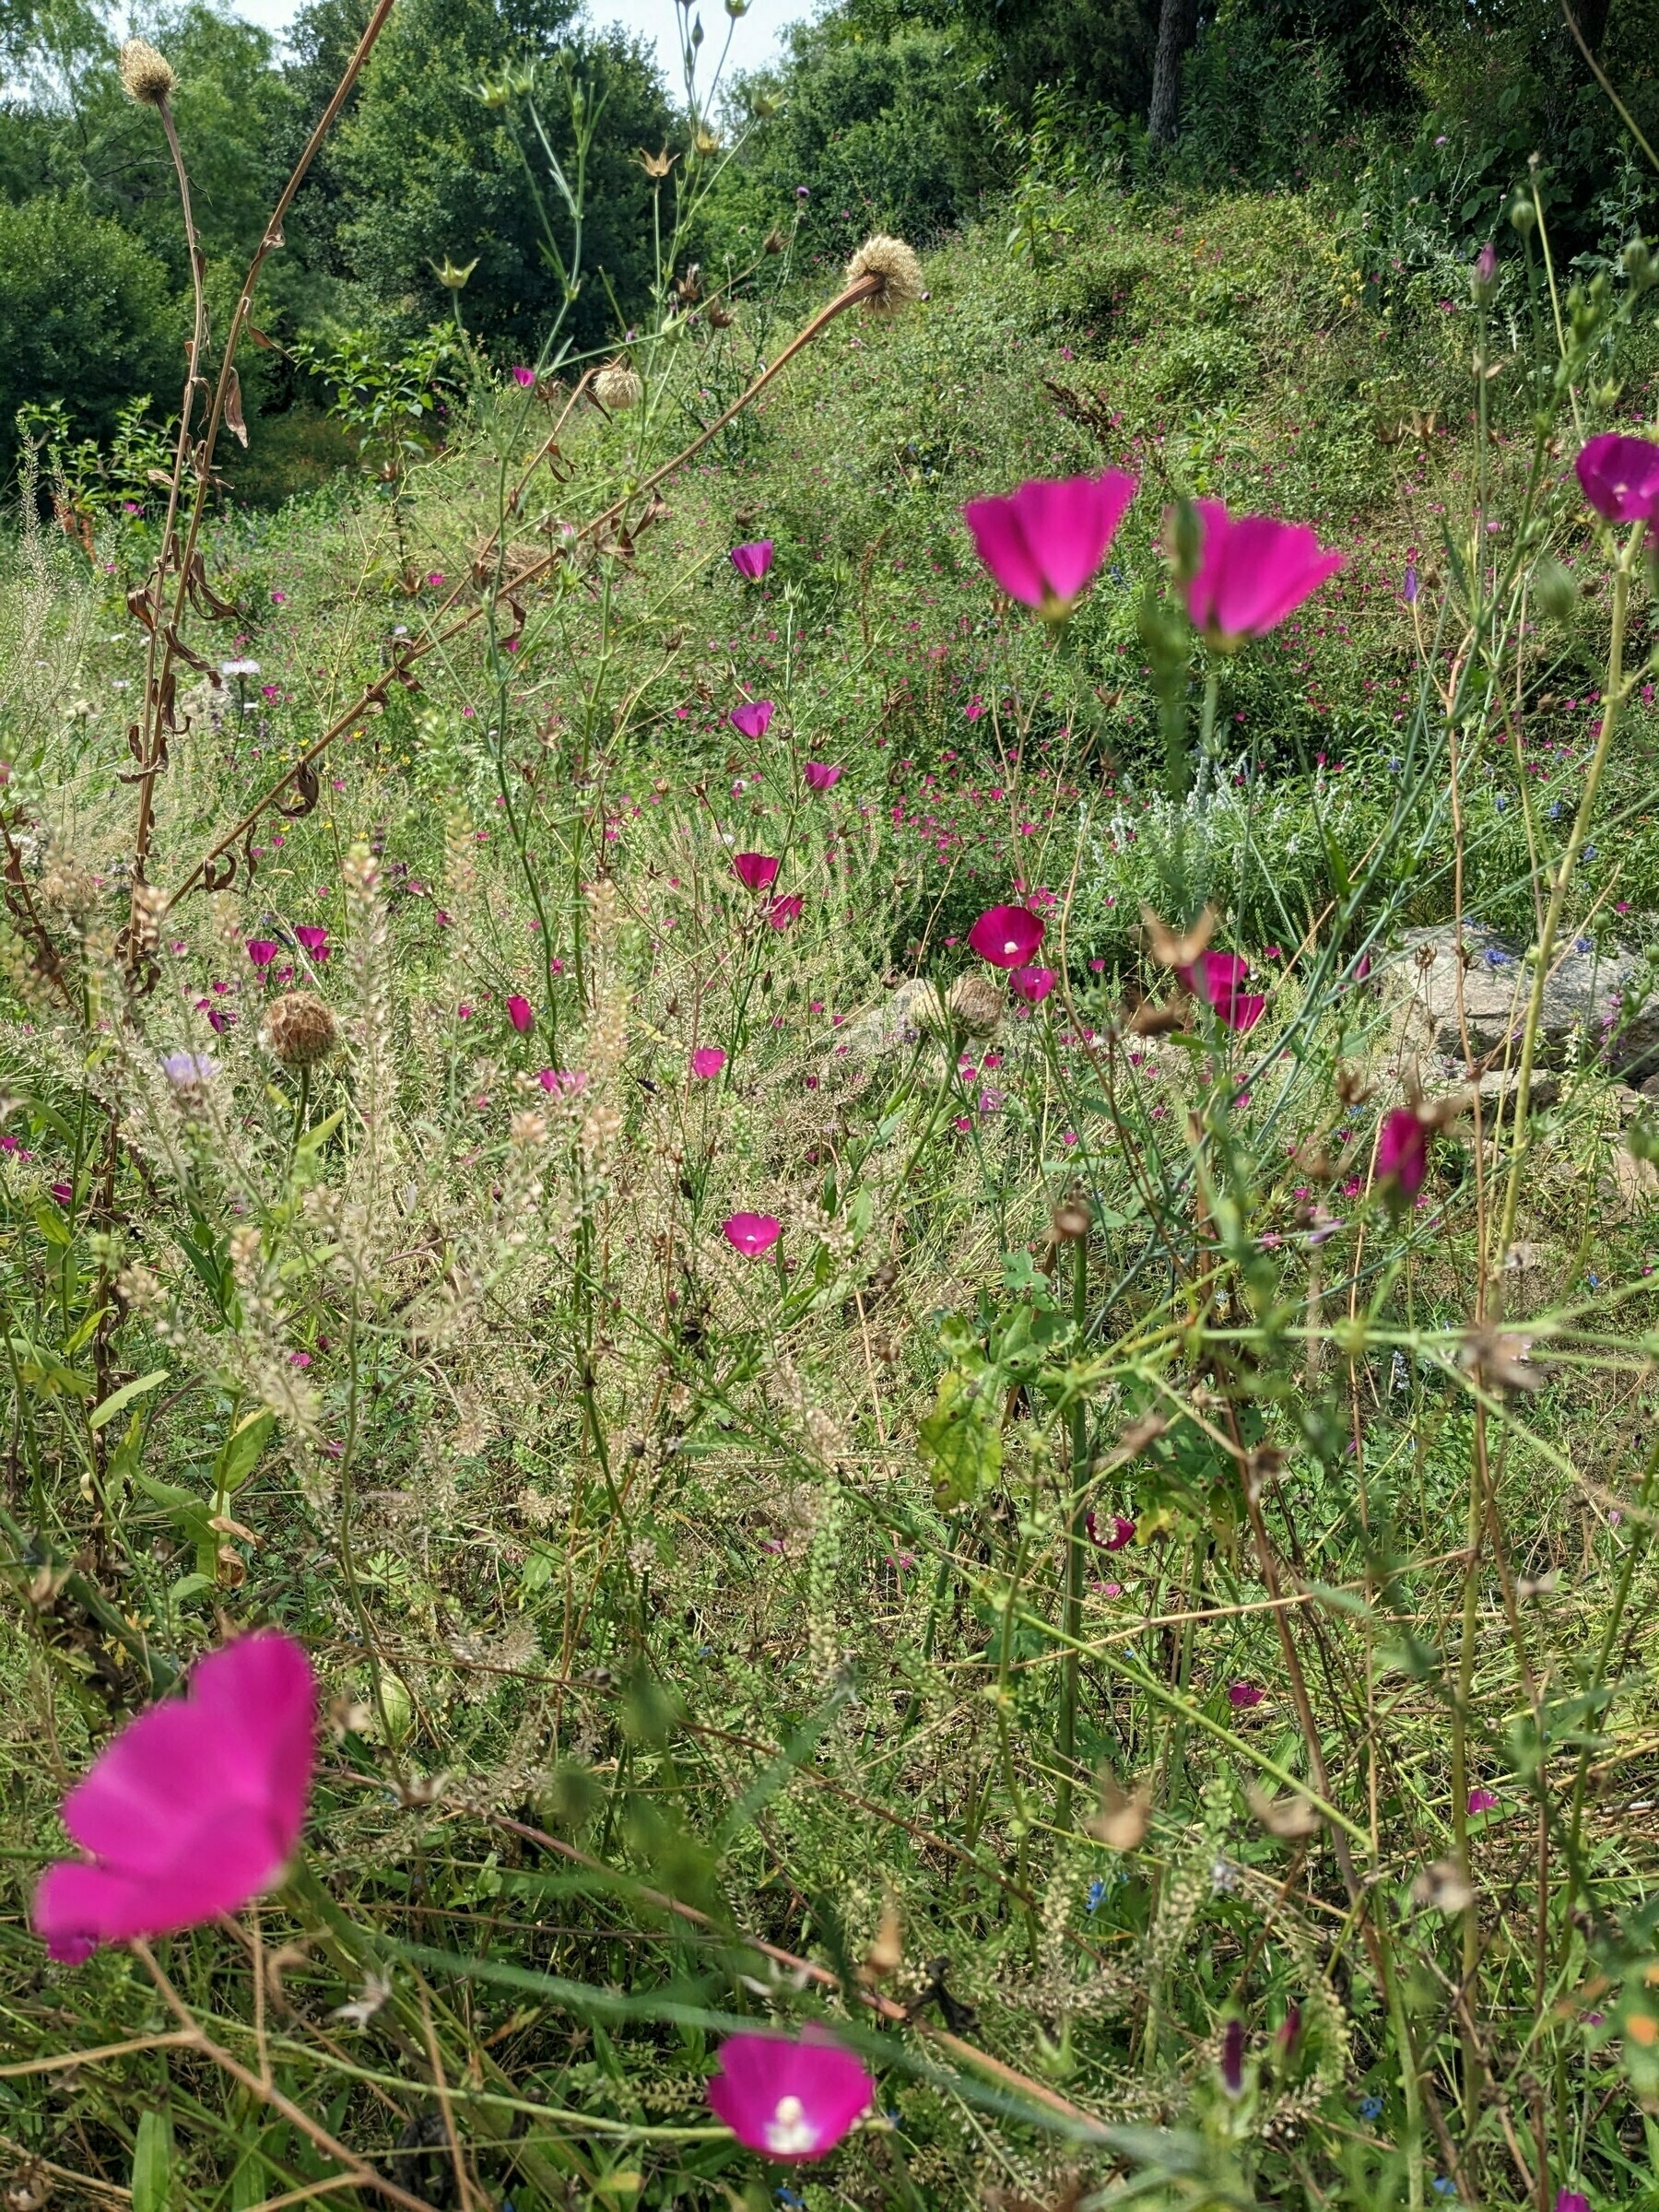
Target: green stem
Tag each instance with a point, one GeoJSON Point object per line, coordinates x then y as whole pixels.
{"type": "Point", "coordinates": [1072, 1620]}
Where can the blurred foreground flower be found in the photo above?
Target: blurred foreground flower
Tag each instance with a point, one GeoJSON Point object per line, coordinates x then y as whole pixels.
{"type": "Point", "coordinates": [1619, 476]}
{"type": "Point", "coordinates": [818, 776]}
{"type": "Point", "coordinates": [752, 561]}
{"type": "Point", "coordinates": [1253, 571]}
{"type": "Point", "coordinates": [195, 1807]}
{"type": "Point", "coordinates": [751, 1234]}
{"type": "Point", "coordinates": [1007, 936]}
{"type": "Point", "coordinates": [1044, 542]}
{"type": "Point", "coordinates": [1216, 977]}
{"type": "Point", "coordinates": [791, 2100]}
{"type": "Point", "coordinates": [1402, 1153]}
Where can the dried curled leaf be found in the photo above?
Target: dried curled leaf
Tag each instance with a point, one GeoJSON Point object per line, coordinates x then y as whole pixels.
{"type": "Point", "coordinates": [1121, 1822]}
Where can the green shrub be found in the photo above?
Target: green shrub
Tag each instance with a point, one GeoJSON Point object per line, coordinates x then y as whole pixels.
{"type": "Point", "coordinates": [86, 317]}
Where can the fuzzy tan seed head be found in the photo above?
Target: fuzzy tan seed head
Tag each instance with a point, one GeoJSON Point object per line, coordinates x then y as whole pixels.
{"type": "Point", "coordinates": [976, 1006]}
{"type": "Point", "coordinates": [299, 1030]}
{"type": "Point", "coordinates": [897, 266]}
{"type": "Point", "coordinates": [145, 75]}
{"type": "Point", "coordinates": [617, 388]}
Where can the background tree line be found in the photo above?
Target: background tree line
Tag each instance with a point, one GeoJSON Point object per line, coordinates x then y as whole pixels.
{"type": "Point", "coordinates": [902, 113]}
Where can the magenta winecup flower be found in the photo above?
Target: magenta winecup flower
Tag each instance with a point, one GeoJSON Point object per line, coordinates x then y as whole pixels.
{"type": "Point", "coordinates": [752, 561]}
{"type": "Point", "coordinates": [1216, 978]}
{"type": "Point", "coordinates": [753, 718]}
{"type": "Point", "coordinates": [751, 1234]}
{"type": "Point", "coordinates": [1619, 476]}
{"type": "Point", "coordinates": [1045, 541]}
{"type": "Point", "coordinates": [519, 1014]}
{"type": "Point", "coordinates": [1033, 984]}
{"type": "Point", "coordinates": [1403, 1152]}
{"type": "Point", "coordinates": [1483, 1801]}
{"type": "Point", "coordinates": [1253, 571]}
{"type": "Point", "coordinates": [817, 775]}
{"type": "Point", "coordinates": [790, 2099]}
{"type": "Point", "coordinates": [1007, 936]}
{"type": "Point", "coordinates": [312, 937]}
{"type": "Point", "coordinates": [784, 908]}
{"type": "Point", "coordinates": [194, 1809]}
{"type": "Point", "coordinates": [261, 951]}
{"type": "Point", "coordinates": [755, 871]}
{"type": "Point", "coordinates": [707, 1060]}
{"type": "Point", "coordinates": [524, 377]}
{"type": "Point", "coordinates": [1242, 1695]}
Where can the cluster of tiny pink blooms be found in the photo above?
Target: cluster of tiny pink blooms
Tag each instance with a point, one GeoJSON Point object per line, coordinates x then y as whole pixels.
{"type": "Point", "coordinates": [195, 1808]}
{"type": "Point", "coordinates": [790, 2099]}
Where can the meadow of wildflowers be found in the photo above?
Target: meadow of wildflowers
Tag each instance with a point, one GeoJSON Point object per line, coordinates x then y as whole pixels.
{"type": "Point", "coordinates": [770, 1437]}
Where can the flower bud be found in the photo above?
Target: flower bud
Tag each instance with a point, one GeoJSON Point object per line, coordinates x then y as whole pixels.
{"type": "Point", "coordinates": [1554, 593]}
{"type": "Point", "coordinates": [1483, 277]}
{"type": "Point", "coordinates": [1522, 216]}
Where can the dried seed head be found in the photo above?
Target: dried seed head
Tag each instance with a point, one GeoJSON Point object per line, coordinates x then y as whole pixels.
{"type": "Point", "coordinates": [976, 1006]}
{"type": "Point", "coordinates": [145, 75]}
{"type": "Point", "coordinates": [299, 1030]}
{"type": "Point", "coordinates": [617, 388]}
{"type": "Point", "coordinates": [896, 265]}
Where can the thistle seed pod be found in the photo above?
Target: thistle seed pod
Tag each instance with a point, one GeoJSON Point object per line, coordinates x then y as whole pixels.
{"type": "Point", "coordinates": [617, 388]}
{"type": "Point", "coordinates": [145, 75]}
{"type": "Point", "coordinates": [975, 1005]}
{"type": "Point", "coordinates": [896, 265]}
{"type": "Point", "coordinates": [299, 1030]}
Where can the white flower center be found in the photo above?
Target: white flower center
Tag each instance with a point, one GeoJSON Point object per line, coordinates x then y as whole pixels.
{"type": "Point", "coordinates": [789, 2132]}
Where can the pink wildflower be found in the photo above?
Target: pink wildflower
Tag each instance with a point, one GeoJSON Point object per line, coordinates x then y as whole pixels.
{"type": "Point", "coordinates": [1044, 542]}
{"type": "Point", "coordinates": [1215, 977]}
{"type": "Point", "coordinates": [195, 1807]}
{"type": "Point", "coordinates": [790, 2099]}
{"type": "Point", "coordinates": [1242, 1695]}
{"type": "Point", "coordinates": [1402, 1153]}
{"type": "Point", "coordinates": [524, 377]}
{"type": "Point", "coordinates": [1007, 936]}
{"type": "Point", "coordinates": [313, 938]}
{"type": "Point", "coordinates": [565, 1081]}
{"type": "Point", "coordinates": [756, 871]}
{"type": "Point", "coordinates": [753, 718]}
{"type": "Point", "coordinates": [1483, 1801]}
{"type": "Point", "coordinates": [1033, 984]}
{"type": "Point", "coordinates": [752, 561]}
{"type": "Point", "coordinates": [519, 1014]}
{"type": "Point", "coordinates": [784, 908]}
{"type": "Point", "coordinates": [1253, 571]}
{"type": "Point", "coordinates": [1619, 476]}
{"type": "Point", "coordinates": [818, 776]}
{"type": "Point", "coordinates": [707, 1060]}
{"type": "Point", "coordinates": [261, 951]}
{"type": "Point", "coordinates": [1119, 1532]}
{"type": "Point", "coordinates": [752, 1234]}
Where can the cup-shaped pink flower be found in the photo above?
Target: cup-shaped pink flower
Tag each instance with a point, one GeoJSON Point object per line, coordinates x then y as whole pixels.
{"type": "Point", "coordinates": [194, 1809]}
{"type": "Point", "coordinates": [1572, 2200]}
{"type": "Point", "coordinates": [756, 871]}
{"type": "Point", "coordinates": [751, 561]}
{"type": "Point", "coordinates": [313, 938]}
{"type": "Point", "coordinates": [1483, 1801]}
{"type": "Point", "coordinates": [1619, 476]}
{"type": "Point", "coordinates": [1033, 984]}
{"type": "Point", "coordinates": [261, 951]}
{"type": "Point", "coordinates": [1253, 571]}
{"type": "Point", "coordinates": [1218, 978]}
{"type": "Point", "coordinates": [753, 718]}
{"type": "Point", "coordinates": [751, 1234]}
{"type": "Point", "coordinates": [790, 2099]}
{"type": "Point", "coordinates": [1044, 542]}
{"type": "Point", "coordinates": [519, 1014]}
{"type": "Point", "coordinates": [817, 775]}
{"type": "Point", "coordinates": [1007, 936]}
{"type": "Point", "coordinates": [1112, 1534]}
{"type": "Point", "coordinates": [706, 1061]}
{"type": "Point", "coordinates": [524, 377]}
{"type": "Point", "coordinates": [1242, 1695]}
{"type": "Point", "coordinates": [565, 1082]}
{"type": "Point", "coordinates": [785, 909]}
{"type": "Point", "coordinates": [1402, 1153]}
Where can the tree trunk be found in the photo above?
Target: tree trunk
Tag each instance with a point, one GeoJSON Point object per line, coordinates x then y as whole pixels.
{"type": "Point", "coordinates": [1177, 21]}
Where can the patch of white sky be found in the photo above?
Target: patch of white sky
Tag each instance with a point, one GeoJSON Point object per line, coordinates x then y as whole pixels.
{"type": "Point", "coordinates": [756, 36]}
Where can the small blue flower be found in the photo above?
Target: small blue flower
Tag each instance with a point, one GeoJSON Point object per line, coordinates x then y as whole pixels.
{"type": "Point", "coordinates": [1396, 765]}
{"type": "Point", "coordinates": [1593, 1279]}
{"type": "Point", "coordinates": [786, 2196]}
{"type": "Point", "coordinates": [1497, 957]}
{"type": "Point", "coordinates": [1444, 2186]}
{"type": "Point", "coordinates": [1554, 810]}
{"type": "Point", "coordinates": [1583, 944]}
{"type": "Point", "coordinates": [1097, 1890]}
{"type": "Point", "coordinates": [1589, 852]}
{"type": "Point", "coordinates": [1371, 2108]}
{"type": "Point", "coordinates": [1501, 801]}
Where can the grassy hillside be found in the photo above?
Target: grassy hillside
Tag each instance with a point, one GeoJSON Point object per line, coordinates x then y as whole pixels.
{"type": "Point", "coordinates": [1126, 1610]}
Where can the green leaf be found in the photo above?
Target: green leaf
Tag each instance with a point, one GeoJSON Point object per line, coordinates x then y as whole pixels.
{"type": "Point", "coordinates": [118, 1401]}
{"type": "Point", "coordinates": [315, 1139]}
{"type": "Point", "coordinates": [239, 1453]}
{"type": "Point", "coordinates": [961, 1438]}
{"type": "Point", "coordinates": [45, 1372]}
{"type": "Point", "coordinates": [153, 2164]}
